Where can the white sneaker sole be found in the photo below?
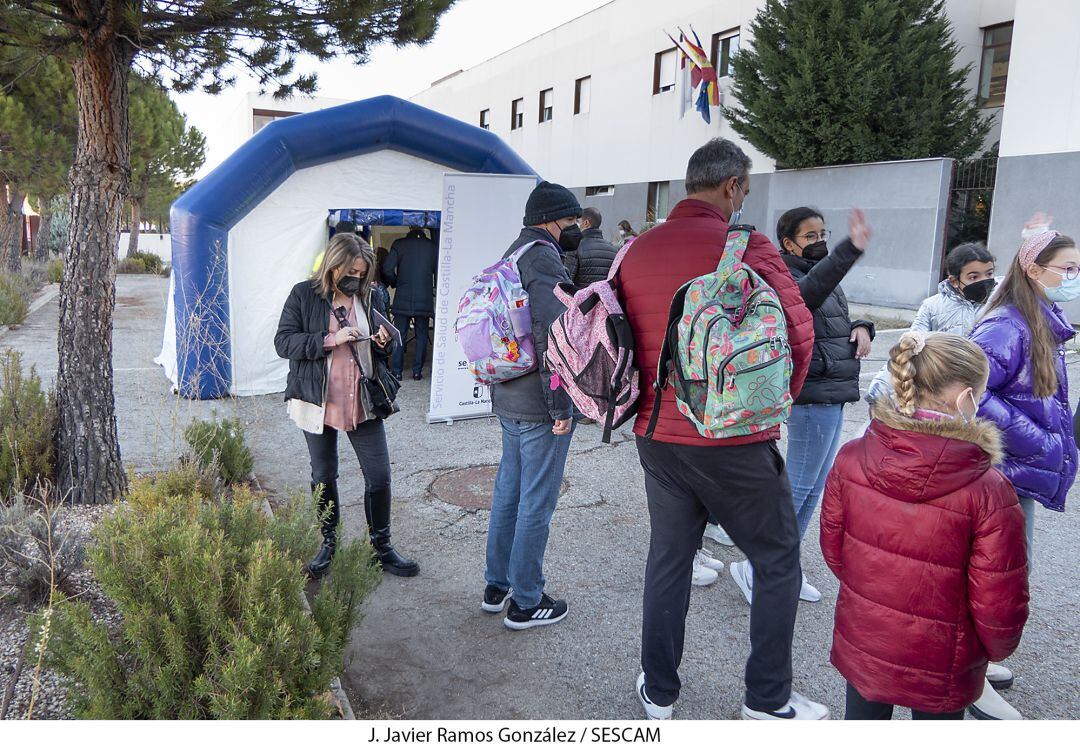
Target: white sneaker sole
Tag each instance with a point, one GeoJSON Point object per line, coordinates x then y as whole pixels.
{"type": "Point", "coordinates": [812, 597]}
{"type": "Point", "coordinates": [754, 715]}
{"type": "Point", "coordinates": [518, 626]}
{"type": "Point", "coordinates": [495, 609]}
{"type": "Point", "coordinates": [740, 579]}
{"type": "Point", "coordinates": [652, 712]}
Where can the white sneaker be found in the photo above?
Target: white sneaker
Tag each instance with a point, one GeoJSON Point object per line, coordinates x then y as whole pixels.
{"type": "Point", "coordinates": [653, 711]}
{"type": "Point", "coordinates": [705, 558]}
{"type": "Point", "coordinates": [718, 534]}
{"type": "Point", "coordinates": [743, 574]}
{"type": "Point", "coordinates": [809, 593]}
{"type": "Point", "coordinates": [999, 676]}
{"type": "Point", "coordinates": [797, 708]}
{"type": "Point", "coordinates": [992, 707]}
{"type": "Point", "coordinates": [702, 574]}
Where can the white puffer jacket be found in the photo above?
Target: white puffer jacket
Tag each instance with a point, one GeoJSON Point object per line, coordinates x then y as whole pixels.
{"type": "Point", "coordinates": [948, 311]}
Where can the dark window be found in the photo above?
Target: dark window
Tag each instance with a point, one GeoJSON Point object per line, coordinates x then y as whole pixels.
{"type": "Point", "coordinates": [582, 95]}
{"type": "Point", "coordinates": [485, 119]}
{"type": "Point", "coordinates": [664, 65]}
{"type": "Point", "coordinates": [724, 46]}
{"type": "Point", "coordinates": [262, 118]}
{"type": "Point", "coordinates": [547, 99]}
{"type": "Point", "coordinates": [599, 190]}
{"type": "Point", "coordinates": [997, 42]}
{"type": "Point", "coordinates": [657, 207]}
{"type": "Point", "coordinates": [517, 114]}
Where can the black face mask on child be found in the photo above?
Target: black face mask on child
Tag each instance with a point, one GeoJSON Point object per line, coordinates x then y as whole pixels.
{"type": "Point", "coordinates": [979, 292]}
{"type": "Point", "coordinates": [816, 251]}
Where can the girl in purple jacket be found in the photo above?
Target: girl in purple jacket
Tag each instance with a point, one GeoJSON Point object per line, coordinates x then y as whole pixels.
{"type": "Point", "coordinates": [1023, 334]}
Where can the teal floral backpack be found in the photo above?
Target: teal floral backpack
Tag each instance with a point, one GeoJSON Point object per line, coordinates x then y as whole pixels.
{"type": "Point", "coordinates": [726, 352]}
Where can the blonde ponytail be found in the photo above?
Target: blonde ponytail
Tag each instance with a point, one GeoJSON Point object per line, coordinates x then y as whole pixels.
{"type": "Point", "coordinates": [923, 365]}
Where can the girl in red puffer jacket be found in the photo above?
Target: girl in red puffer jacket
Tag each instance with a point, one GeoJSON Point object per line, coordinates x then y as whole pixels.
{"type": "Point", "coordinates": [927, 540]}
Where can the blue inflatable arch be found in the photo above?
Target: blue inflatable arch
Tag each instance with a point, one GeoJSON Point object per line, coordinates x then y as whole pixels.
{"type": "Point", "coordinates": [202, 217]}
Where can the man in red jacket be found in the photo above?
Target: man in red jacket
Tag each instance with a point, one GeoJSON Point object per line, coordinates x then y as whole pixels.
{"type": "Point", "coordinates": [740, 482]}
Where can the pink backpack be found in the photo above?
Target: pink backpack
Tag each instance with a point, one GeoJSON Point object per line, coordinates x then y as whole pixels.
{"type": "Point", "coordinates": [591, 351]}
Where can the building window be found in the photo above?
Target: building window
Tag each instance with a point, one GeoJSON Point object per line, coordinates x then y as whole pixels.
{"type": "Point", "coordinates": [724, 46]}
{"type": "Point", "coordinates": [664, 65]}
{"type": "Point", "coordinates": [517, 114]}
{"type": "Point", "coordinates": [485, 119]}
{"type": "Point", "coordinates": [547, 99]}
{"type": "Point", "coordinates": [600, 190]}
{"type": "Point", "coordinates": [262, 118]}
{"type": "Point", "coordinates": [997, 41]}
{"type": "Point", "coordinates": [582, 95]}
{"type": "Point", "coordinates": [658, 200]}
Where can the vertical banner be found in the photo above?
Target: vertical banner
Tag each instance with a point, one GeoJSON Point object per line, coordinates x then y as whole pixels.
{"type": "Point", "coordinates": [481, 216]}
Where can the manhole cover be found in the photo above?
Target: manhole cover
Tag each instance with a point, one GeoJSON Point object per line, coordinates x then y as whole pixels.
{"type": "Point", "coordinates": [471, 487]}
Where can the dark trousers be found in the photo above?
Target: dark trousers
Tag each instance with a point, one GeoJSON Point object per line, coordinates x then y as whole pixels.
{"type": "Point", "coordinates": [860, 709]}
{"type": "Point", "coordinates": [419, 347]}
{"type": "Point", "coordinates": [746, 490]}
{"type": "Point", "coordinates": [369, 442]}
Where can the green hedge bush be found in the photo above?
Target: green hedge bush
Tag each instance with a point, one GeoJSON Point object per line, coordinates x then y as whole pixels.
{"type": "Point", "coordinates": [131, 265]}
{"type": "Point", "coordinates": [27, 428]}
{"type": "Point", "coordinates": [14, 300]}
{"type": "Point", "coordinates": [55, 269]}
{"type": "Point", "coordinates": [220, 445]}
{"type": "Point", "coordinates": [213, 625]}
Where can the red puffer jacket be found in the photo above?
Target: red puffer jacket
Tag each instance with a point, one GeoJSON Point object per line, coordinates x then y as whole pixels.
{"type": "Point", "coordinates": [688, 244]}
{"type": "Point", "coordinates": [927, 540]}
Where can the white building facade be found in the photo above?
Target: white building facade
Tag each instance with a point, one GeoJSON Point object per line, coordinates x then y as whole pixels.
{"type": "Point", "coordinates": [595, 103]}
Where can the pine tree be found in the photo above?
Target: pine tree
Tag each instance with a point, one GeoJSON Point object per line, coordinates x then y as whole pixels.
{"type": "Point", "coordinates": [844, 81]}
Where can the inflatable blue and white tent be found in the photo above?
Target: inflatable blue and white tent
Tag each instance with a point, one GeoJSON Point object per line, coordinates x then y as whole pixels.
{"type": "Point", "coordinates": [248, 231]}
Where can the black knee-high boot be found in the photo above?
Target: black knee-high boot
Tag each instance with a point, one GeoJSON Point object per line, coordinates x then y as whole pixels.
{"type": "Point", "coordinates": [329, 514]}
{"type": "Point", "coordinates": [377, 510]}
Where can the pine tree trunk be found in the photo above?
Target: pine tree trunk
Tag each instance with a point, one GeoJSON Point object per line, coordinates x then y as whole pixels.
{"type": "Point", "coordinates": [5, 224]}
{"type": "Point", "coordinates": [12, 240]}
{"type": "Point", "coordinates": [89, 452]}
{"type": "Point", "coordinates": [136, 221]}
{"type": "Point", "coordinates": [41, 242]}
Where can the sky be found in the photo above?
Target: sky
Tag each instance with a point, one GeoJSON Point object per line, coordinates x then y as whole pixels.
{"type": "Point", "coordinates": [471, 32]}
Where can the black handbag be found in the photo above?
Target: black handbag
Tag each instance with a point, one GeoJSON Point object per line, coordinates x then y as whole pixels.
{"type": "Point", "coordinates": [382, 387]}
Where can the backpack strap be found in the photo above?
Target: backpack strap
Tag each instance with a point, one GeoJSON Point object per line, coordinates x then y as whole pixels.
{"type": "Point", "coordinates": [619, 259]}
{"type": "Point", "coordinates": [516, 255]}
{"type": "Point", "coordinates": [738, 238]}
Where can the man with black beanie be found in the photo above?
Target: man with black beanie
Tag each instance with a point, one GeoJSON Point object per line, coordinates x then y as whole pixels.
{"type": "Point", "coordinates": [537, 425]}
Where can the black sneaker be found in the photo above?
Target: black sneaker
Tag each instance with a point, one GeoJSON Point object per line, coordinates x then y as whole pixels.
{"type": "Point", "coordinates": [495, 599]}
{"type": "Point", "coordinates": [547, 611]}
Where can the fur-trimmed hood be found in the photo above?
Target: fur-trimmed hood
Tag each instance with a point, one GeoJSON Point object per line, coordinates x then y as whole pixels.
{"type": "Point", "coordinates": [921, 459]}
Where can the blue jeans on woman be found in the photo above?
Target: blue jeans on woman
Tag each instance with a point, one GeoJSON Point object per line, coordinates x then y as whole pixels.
{"type": "Point", "coordinates": [813, 441]}
{"type": "Point", "coordinates": [526, 489]}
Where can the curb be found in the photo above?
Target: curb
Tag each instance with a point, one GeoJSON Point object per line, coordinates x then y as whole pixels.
{"type": "Point", "coordinates": [341, 700]}
{"type": "Point", "coordinates": [44, 296]}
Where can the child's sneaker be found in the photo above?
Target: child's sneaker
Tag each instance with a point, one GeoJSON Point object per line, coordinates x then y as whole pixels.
{"type": "Point", "coordinates": [992, 707]}
{"type": "Point", "coordinates": [547, 611]}
{"type": "Point", "coordinates": [999, 676]}
{"type": "Point", "coordinates": [495, 599]}
{"type": "Point", "coordinates": [653, 711]}
{"type": "Point", "coordinates": [718, 534]}
{"type": "Point", "coordinates": [705, 558]}
{"type": "Point", "coordinates": [797, 708]}
{"type": "Point", "coordinates": [743, 575]}
{"type": "Point", "coordinates": [703, 575]}
{"type": "Point", "coordinates": [808, 592]}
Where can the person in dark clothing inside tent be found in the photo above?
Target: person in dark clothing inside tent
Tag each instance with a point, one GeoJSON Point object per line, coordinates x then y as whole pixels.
{"type": "Point", "coordinates": [410, 268]}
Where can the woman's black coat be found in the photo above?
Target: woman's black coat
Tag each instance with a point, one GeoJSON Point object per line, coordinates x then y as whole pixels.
{"type": "Point", "coordinates": [834, 370]}
{"type": "Point", "coordinates": [302, 329]}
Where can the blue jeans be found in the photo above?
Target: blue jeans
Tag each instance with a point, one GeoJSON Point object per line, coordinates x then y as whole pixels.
{"type": "Point", "coordinates": [813, 441]}
{"type": "Point", "coordinates": [526, 489]}
{"type": "Point", "coordinates": [397, 360]}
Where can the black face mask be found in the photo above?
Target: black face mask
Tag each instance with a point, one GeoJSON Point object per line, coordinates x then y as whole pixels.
{"type": "Point", "coordinates": [349, 286]}
{"type": "Point", "coordinates": [816, 251]}
{"type": "Point", "coordinates": [570, 238]}
{"type": "Point", "coordinates": [979, 292]}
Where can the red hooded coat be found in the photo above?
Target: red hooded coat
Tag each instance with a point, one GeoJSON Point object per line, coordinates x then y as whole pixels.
{"type": "Point", "coordinates": [927, 540]}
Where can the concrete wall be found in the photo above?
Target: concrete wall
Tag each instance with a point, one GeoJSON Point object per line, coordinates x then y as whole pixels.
{"type": "Point", "coordinates": [905, 202]}
{"type": "Point", "coordinates": [149, 242]}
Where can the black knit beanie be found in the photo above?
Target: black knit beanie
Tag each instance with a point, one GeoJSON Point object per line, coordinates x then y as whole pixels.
{"type": "Point", "coordinates": [548, 202]}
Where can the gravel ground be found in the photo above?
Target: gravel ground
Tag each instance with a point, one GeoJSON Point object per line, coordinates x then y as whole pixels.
{"type": "Point", "coordinates": [424, 648]}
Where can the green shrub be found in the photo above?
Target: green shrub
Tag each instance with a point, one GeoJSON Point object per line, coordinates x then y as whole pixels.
{"type": "Point", "coordinates": [184, 486]}
{"type": "Point", "coordinates": [152, 263]}
{"type": "Point", "coordinates": [27, 427]}
{"type": "Point", "coordinates": [14, 303]}
{"type": "Point", "coordinates": [131, 265]}
{"type": "Point", "coordinates": [55, 270]}
{"type": "Point", "coordinates": [220, 444]}
{"type": "Point", "coordinates": [212, 623]}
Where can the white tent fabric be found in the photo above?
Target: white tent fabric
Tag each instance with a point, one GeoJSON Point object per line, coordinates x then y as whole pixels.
{"type": "Point", "coordinates": [167, 358]}
{"type": "Point", "coordinates": [274, 245]}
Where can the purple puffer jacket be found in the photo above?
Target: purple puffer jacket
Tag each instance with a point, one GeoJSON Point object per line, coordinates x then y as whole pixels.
{"type": "Point", "coordinates": [1040, 453]}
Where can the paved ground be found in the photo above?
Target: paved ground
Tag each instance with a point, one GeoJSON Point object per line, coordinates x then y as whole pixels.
{"type": "Point", "coordinates": [425, 650]}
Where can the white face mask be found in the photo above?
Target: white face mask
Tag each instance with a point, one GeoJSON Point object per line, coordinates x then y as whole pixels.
{"type": "Point", "coordinates": [968, 394]}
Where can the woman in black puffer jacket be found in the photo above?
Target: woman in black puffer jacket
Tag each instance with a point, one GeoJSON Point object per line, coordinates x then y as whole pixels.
{"type": "Point", "coordinates": [817, 417]}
